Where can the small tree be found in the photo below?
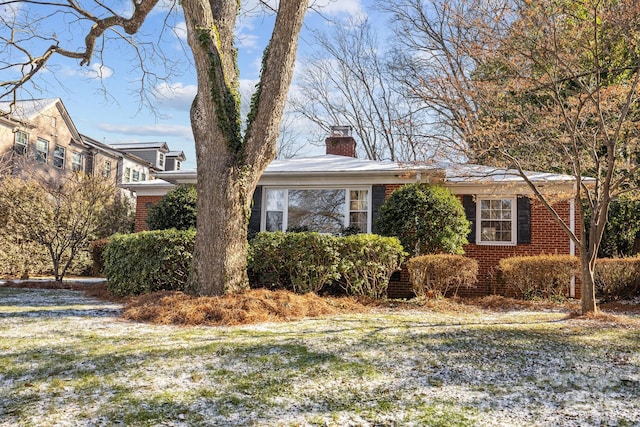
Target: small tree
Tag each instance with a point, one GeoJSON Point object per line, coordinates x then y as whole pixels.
{"type": "Point", "coordinates": [426, 219]}
{"type": "Point", "coordinates": [177, 209]}
{"type": "Point", "coordinates": [62, 216]}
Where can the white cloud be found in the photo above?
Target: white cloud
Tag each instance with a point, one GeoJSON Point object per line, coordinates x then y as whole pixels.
{"type": "Point", "coordinates": [155, 130]}
{"type": "Point", "coordinates": [335, 7]}
{"type": "Point", "coordinates": [97, 71]}
{"type": "Point", "coordinates": [176, 95]}
{"type": "Point", "coordinates": [181, 30]}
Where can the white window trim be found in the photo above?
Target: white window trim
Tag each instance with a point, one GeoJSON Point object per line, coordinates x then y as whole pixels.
{"type": "Point", "coordinates": [285, 213]}
{"type": "Point", "coordinates": [80, 165]}
{"type": "Point", "coordinates": [44, 153]}
{"type": "Point", "coordinates": [17, 142]}
{"type": "Point", "coordinates": [514, 221]}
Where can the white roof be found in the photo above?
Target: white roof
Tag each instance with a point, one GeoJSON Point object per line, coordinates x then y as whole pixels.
{"type": "Point", "coordinates": [340, 170]}
{"type": "Point", "coordinates": [140, 145]}
{"type": "Point", "coordinates": [27, 109]}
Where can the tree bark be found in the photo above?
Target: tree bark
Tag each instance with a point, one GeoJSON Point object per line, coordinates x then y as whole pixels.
{"type": "Point", "coordinates": [229, 165]}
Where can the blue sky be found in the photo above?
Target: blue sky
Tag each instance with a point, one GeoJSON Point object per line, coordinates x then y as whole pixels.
{"type": "Point", "coordinates": [110, 110]}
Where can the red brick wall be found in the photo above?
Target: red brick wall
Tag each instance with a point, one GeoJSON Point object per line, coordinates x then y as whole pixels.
{"type": "Point", "coordinates": [143, 204]}
{"type": "Point", "coordinates": [547, 237]}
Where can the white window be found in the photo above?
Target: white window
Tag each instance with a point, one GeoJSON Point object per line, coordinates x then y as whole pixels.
{"type": "Point", "coordinates": [497, 221]}
{"type": "Point", "coordinates": [42, 150]}
{"type": "Point", "coordinates": [359, 209]}
{"type": "Point", "coordinates": [58, 156]}
{"type": "Point", "coordinates": [143, 176]}
{"type": "Point", "coordinates": [21, 142]}
{"type": "Point", "coordinates": [326, 210]}
{"type": "Point", "coordinates": [161, 160]}
{"type": "Point", "coordinates": [76, 162]}
{"type": "Point", "coordinates": [135, 176]}
{"type": "Point", "coordinates": [127, 174]}
{"type": "Point", "coordinates": [178, 164]}
{"type": "Point", "coordinates": [106, 169]}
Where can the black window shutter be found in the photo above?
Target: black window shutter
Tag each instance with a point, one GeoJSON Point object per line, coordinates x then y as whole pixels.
{"type": "Point", "coordinates": [256, 209]}
{"type": "Point", "coordinates": [470, 212]}
{"type": "Point", "coordinates": [524, 220]}
{"type": "Point", "coordinates": [378, 193]}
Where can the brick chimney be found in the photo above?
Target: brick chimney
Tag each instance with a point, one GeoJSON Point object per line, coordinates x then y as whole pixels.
{"type": "Point", "coordinates": [340, 142]}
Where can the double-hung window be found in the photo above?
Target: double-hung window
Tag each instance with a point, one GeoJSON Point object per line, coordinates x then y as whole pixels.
{"type": "Point", "coordinates": [326, 210]}
{"type": "Point", "coordinates": [497, 221]}
{"type": "Point", "coordinates": [127, 175]}
{"type": "Point", "coordinates": [21, 141]}
{"type": "Point", "coordinates": [76, 162]}
{"type": "Point", "coordinates": [42, 150]}
{"type": "Point", "coordinates": [161, 160]}
{"type": "Point", "coordinates": [135, 176]}
{"type": "Point", "coordinates": [58, 156]}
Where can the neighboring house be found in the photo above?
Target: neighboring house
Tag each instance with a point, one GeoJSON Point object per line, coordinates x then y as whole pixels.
{"type": "Point", "coordinates": [328, 193]}
{"type": "Point", "coordinates": [38, 135]}
{"type": "Point", "coordinates": [154, 153]}
{"type": "Point", "coordinates": [118, 165]}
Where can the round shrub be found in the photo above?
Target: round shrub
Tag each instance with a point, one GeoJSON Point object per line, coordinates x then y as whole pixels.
{"type": "Point", "coordinates": [441, 273]}
{"type": "Point", "coordinates": [177, 209]}
{"type": "Point", "coordinates": [426, 219]}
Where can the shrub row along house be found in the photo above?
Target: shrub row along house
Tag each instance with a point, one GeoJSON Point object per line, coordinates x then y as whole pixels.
{"type": "Point", "coordinates": [331, 192]}
{"type": "Point", "coordinates": [38, 136]}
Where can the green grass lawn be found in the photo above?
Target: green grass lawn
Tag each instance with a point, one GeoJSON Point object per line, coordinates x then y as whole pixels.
{"type": "Point", "coordinates": [68, 360]}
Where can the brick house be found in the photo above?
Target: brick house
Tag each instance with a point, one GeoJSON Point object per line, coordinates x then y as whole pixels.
{"type": "Point", "coordinates": [330, 192]}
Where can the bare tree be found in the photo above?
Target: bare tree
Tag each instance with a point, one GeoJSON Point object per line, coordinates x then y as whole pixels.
{"type": "Point", "coordinates": [347, 82]}
{"type": "Point", "coordinates": [62, 216]}
{"type": "Point", "coordinates": [230, 162]}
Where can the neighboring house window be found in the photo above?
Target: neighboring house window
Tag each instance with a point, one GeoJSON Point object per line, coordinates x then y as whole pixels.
{"type": "Point", "coordinates": [106, 169]}
{"type": "Point", "coordinates": [177, 165]}
{"type": "Point", "coordinates": [322, 210]}
{"type": "Point", "coordinates": [127, 174]}
{"type": "Point", "coordinates": [136, 176]}
{"type": "Point", "coordinates": [161, 160]}
{"type": "Point", "coordinates": [42, 150]}
{"type": "Point", "coordinates": [53, 122]}
{"type": "Point", "coordinates": [58, 156]}
{"type": "Point", "coordinates": [497, 221]}
{"type": "Point", "coordinates": [21, 142]}
{"type": "Point", "coordinates": [76, 162]}
{"type": "Point", "coordinates": [143, 176]}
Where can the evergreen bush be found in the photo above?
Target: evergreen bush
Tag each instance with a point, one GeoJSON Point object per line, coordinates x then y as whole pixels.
{"type": "Point", "coordinates": [149, 261]}
{"type": "Point", "coordinates": [177, 209]}
{"type": "Point", "coordinates": [427, 220]}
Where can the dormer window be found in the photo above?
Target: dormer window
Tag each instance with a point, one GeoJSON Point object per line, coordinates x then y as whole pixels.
{"type": "Point", "coordinates": [178, 165]}
{"type": "Point", "coordinates": [161, 160]}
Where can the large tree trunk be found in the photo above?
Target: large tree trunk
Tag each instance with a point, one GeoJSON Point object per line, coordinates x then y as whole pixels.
{"type": "Point", "coordinates": [229, 165]}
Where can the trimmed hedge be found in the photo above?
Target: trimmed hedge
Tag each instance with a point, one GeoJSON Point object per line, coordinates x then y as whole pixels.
{"type": "Point", "coordinates": [308, 262]}
{"type": "Point", "coordinates": [540, 276]}
{"type": "Point", "coordinates": [618, 278]}
{"type": "Point", "coordinates": [442, 273]}
{"type": "Point", "coordinates": [367, 263]}
{"type": "Point", "coordinates": [148, 261]}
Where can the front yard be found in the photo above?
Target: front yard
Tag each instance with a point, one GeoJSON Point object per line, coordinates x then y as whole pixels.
{"type": "Point", "coordinates": [69, 360]}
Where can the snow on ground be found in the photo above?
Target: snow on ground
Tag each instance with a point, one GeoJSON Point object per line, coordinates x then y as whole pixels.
{"type": "Point", "coordinates": [69, 360]}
